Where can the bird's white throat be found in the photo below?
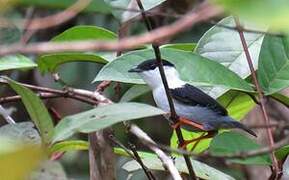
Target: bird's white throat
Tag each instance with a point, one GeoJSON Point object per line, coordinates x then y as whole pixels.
{"type": "Point", "coordinates": [153, 78]}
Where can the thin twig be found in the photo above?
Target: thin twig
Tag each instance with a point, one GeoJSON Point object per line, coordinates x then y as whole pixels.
{"type": "Point", "coordinates": [241, 154]}
{"type": "Point", "coordinates": [173, 114]}
{"type": "Point", "coordinates": [146, 140]}
{"type": "Point", "coordinates": [202, 13]}
{"type": "Point", "coordinates": [6, 115]}
{"type": "Point", "coordinates": [133, 154]}
{"type": "Point", "coordinates": [148, 173]}
{"type": "Point", "coordinates": [79, 94]}
{"type": "Point", "coordinates": [260, 95]}
{"type": "Point", "coordinates": [246, 29]}
{"type": "Point", "coordinates": [27, 34]}
{"type": "Point", "coordinates": [52, 20]}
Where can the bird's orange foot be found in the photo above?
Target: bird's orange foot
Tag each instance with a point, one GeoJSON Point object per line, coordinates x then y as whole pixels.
{"type": "Point", "coordinates": [176, 125]}
{"type": "Point", "coordinates": [196, 141]}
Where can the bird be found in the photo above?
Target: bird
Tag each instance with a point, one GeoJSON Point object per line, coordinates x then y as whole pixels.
{"type": "Point", "coordinates": [196, 110]}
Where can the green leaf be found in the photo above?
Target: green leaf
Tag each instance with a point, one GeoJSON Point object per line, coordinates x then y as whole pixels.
{"type": "Point", "coordinates": [124, 4]}
{"type": "Point", "coordinates": [273, 70]}
{"type": "Point", "coordinates": [102, 117]}
{"type": "Point", "coordinates": [69, 146]}
{"type": "Point", "coordinates": [181, 46]}
{"type": "Point", "coordinates": [228, 143]}
{"type": "Point", "coordinates": [202, 170]}
{"type": "Point", "coordinates": [22, 132]}
{"type": "Point", "coordinates": [238, 104]}
{"type": "Point", "coordinates": [189, 135]}
{"type": "Point", "coordinates": [281, 98]}
{"type": "Point", "coordinates": [192, 67]}
{"type": "Point", "coordinates": [12, 157]}
{"type": "Point", "coordinates": [16, 62]}
{"type": "Point", "coordinates": [134, 92]}
{"type": "Point", "coordinates": [273, 13]}
{"type": "Point", "coordinates": [36, 109]}
{"type": "Point", "coordinates": [82, 32]}
{"type": "Point", "coordinates": [224, 46]}
{"type": "Point", "coordinates": [50, 62]}
{"type": "Point", "coordinates": [94, 6]}
{"type": "Point", "coordinates": [282, 153]}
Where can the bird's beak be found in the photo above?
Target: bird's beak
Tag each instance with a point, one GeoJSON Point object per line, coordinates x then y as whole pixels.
{"type": "Point", "coordinates": [135, 69]}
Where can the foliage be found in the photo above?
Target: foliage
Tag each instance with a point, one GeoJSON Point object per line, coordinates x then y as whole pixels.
{"type": "Point", "coordinates": [217, 64]}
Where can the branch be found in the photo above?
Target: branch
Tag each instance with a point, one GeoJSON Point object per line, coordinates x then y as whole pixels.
{"type": "Point", "coordinates": [173, 114]}
{"type": "Point", "coordinates": [260, 94]}
{"type": "Point", "coordinates": [6, 115]}
{"type": "Point", "coordinates": [53, 20]}
{"type": "Point", "coordinates": [93, 98]}
{"type": "Point", "coordinates": [202, 13]}
{"type": "Point", "coordinates": [133, 154]}
{"type": "Point", "coordinates": [241, 154]}
{"type": "Point", "coordinates": [146, 140]}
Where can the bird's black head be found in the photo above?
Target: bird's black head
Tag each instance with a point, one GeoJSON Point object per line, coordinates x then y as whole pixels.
{"type": "Point", "coordinates": [150, 64]}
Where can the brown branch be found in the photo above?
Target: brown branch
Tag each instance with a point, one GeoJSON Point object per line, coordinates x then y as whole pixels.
{"type": "Point", "coordinates": [246, 29]}
{"type": "Point", "coordinates": [200, 14]}
{"type": "Point", "coordinates": [241, 154]}
{"type": "Point", "coordinates": [146, 140]}
{"type": "Point", "coordinates": [53, 20]}
{"type": "Point", "coordinates": [133, 154]}
{"type": "Point", "coordinates": [260, 95]}
{"type": "Point", "coordinates": [9, 99]}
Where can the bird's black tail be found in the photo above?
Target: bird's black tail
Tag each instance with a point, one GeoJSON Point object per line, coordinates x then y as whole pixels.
{"type": "Point", "coordinates": [231, 123]}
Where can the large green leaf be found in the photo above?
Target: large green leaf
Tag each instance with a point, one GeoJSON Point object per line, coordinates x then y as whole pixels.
{"type": "Point", "coordinates": [83, 32]}
{"type": "Point", "coordinates": [280, 98]}
{"type": "Point", "coordinates": [94, 6]}
{"type": "Point", "coordinates": [50, 62]}
{"type": "Point", "coordinates": [18, 160]}
{"type": "Point", "coordinates": [228, 143]}
{"type": "Point", "coordinates": [282, 153]}
{"type": "Point", "coordinates": [273, 13]}
{"type": "Point", "coordinates": [202, 170]}
{"type": "Point", "coordinates": [273, 70]}
{"type": "Point", "coordinates": [192, 67]}
{"type": "Point", "coordinates": [224, 46]}
{"type": "Point", "coordinates": [189, 135]}
{"type": "Point", "coordinates": [16, 62]}
{"type": "Point", "coordinates": [131, 4]}
{"type": "Point", "coordinates": [36, 109]}
{"type": "Point", "coordinates": [181, 46]}
{"type": "Point", "coordinates": [238, 104]}
{"type": "Point", "coordinates": [134, 92]}
{"type": "Point", "coordinates": [102, 117]}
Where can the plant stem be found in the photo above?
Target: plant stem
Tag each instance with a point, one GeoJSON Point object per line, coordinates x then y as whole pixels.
{"type": "Point", "coordinates": [174, 117]}
{"type": "Point", "coordinates": [260, 95]}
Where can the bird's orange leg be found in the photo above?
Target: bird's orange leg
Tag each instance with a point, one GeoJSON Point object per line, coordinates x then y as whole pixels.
{"type": "Point", "coordinates": [184, 121]}
{"type": "Point", "coordinates": [209, 134]}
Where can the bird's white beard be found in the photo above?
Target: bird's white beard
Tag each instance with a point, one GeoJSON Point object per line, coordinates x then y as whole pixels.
{"type": "Point", "coordinates": [154, 80]}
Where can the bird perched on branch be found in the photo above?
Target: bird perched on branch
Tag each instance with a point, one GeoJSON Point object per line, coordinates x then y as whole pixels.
{"type": "Point", "coordinates": [197, 111]}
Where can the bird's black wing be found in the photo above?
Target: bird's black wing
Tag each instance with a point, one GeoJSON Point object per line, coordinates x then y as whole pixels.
{"type": "Point", "coordinates": [193, 96]}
